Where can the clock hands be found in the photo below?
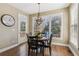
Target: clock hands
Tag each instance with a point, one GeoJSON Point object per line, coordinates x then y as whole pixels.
{"type": "Point", "coordinates": [9, 19]}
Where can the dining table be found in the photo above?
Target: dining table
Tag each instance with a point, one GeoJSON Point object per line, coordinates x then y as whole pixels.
{"type": "Point", "coordinates": [37, 40]}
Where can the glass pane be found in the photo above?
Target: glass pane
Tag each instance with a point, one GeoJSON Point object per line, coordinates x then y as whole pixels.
{"type": "Point", "coordinates": [46, 29]}
{"type": "Point", "coordinates": [50, 24]}
{"type": "Point", "coordinates": [56, 25]}
{"type": "Point", "coordinates": [23, 26]}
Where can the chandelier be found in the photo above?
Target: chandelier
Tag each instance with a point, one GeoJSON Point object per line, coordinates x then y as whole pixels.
{"type": "Point", "coordinates": [38, 20]}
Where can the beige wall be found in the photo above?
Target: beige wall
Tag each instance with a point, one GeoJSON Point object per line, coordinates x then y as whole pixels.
{"type": "Point", "coordinates": [65, 22]}
{"type": "Point", "coordinates": [9, 35]}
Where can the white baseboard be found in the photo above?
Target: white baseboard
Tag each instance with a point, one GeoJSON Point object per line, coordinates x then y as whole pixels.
{"type": "Point", "coordinates": [72, 50]}
{"type": "Point", "coordinates": [61, 44]}
{"type": "Point", "coordinates": [5, 49]}
{"type": "Point", "coordinates": [67, 45]}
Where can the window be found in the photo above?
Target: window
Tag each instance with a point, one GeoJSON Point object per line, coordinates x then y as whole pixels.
{"type": "Point", "coordinates": [23, 20]}
{"type": "Point", "coordinates": [51, 24]}
{"type": "Point", "coordinates": [22, 24]}
{"type": "Point", "coordinates": [45, 24]}
{"type": "Point", "coordinates": [56, 25]}
{"type": "Point", "coordinates": [74, 25]}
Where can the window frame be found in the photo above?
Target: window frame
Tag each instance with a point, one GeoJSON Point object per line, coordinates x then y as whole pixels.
{"type": "Point", "coordinates": [51, 15]}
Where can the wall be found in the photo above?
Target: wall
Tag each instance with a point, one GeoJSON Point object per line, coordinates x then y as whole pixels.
{"type": "Point", "coordinates": [9, 35]}
{"type": "Point", "coordinates": [65, 23]}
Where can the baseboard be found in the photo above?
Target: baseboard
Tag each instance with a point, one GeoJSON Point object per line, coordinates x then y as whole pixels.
{"type": "Point", "coordinates": [61, 44]}
{"type": "Point", "coordinates": [22, 43]}
{"type": "Point", "coordinates": [73, 51]}
{"type": "Point", "coordinates": [5, 49]}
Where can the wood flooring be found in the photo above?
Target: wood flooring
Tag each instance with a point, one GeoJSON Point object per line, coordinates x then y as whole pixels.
{"type": "Point", "coordinates": [22, 50]}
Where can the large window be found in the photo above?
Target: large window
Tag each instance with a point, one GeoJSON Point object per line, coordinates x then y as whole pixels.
{"type": "Point", "coordinates": [22, 24]}
{"type": "Point", "coordinates": [45, 24]}
{"type": "Point", "coordinates": [51, 24]}
{"type": "Point", "coordinates": [74, 25]}
{"type": "Point", "coordinates": [56, 25]}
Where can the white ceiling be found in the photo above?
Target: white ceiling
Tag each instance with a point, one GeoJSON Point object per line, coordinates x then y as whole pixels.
{"type": "Point", "coordinates": [31, 8]}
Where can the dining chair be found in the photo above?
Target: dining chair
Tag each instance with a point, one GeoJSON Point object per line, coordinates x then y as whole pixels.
{"type": "Point", "coordinates": [47, 43]}
{"type": "Point", "coordinates": [34, 44]}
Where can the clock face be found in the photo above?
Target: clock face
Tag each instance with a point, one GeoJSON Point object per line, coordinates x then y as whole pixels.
{"type": "Point", "coordinates": [7, 20]}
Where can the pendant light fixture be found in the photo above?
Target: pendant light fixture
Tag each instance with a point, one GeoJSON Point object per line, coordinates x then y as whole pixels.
{"type": "Point", "coordinates": [38, 20]}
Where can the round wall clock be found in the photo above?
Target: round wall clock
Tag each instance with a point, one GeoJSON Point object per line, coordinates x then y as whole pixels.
{"type": "Point", "coordinates": [7, 20]}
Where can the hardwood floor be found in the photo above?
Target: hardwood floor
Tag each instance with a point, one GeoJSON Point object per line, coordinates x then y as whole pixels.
{"type": "Point", "coordinates": [22, 50]}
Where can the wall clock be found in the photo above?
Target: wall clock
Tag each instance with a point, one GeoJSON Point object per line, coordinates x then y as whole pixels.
{"type": "Point", "coordinates": [7, 20]}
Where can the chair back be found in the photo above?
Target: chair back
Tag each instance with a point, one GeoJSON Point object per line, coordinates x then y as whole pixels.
{"type": "Point", "coordinates": [31, 40]}
{"type": "Point", "coordinates": [27, 38]}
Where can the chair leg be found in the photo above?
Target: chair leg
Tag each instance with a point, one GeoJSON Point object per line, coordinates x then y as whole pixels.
{"type": "Point", "coordinates": [42, 51]}
{"type": "Point", "coordinates": [50, 50]}
{"type": "Point", "coordinates": [36, 52]}
{"type": "Point", "coordinates": [28, 51]}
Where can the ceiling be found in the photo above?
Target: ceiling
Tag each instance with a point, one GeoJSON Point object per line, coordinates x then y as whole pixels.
{"type": "Point", "coordinates": [32, 8]}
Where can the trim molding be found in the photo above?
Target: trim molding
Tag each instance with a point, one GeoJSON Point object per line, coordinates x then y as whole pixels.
{"type": "Point", "coordinates": [7, 48]}
{"type": "Point", "coordinates": [67, 45]}
{"type": "Point", "coordinates": [73, 51]}
{"type": "Point", "coordinates": [61, 44]}
{"type": "Point", "coordinates": [10, 47]}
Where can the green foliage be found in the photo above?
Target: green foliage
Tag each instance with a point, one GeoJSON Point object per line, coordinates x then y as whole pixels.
{"type": "Point", "coordinates": [22, 26]}
{"type": "Point", "coordinates": [55, 26]}
{"type": "Point", "coordinates": [46, 29]}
